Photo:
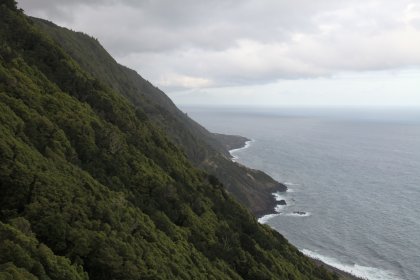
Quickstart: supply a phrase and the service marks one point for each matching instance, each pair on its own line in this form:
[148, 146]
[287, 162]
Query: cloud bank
[190, 44]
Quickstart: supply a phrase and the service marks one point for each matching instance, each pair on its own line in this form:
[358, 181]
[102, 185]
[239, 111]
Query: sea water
[353, 177]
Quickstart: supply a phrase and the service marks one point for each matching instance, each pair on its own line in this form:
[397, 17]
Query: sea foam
[264, 219]
[290, 184]
[364, 272]
[279, 208]
[278, 196]
[247, 145]
[305, 214]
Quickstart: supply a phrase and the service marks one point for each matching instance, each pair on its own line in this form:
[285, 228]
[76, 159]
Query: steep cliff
[251, 187]
[91, 186]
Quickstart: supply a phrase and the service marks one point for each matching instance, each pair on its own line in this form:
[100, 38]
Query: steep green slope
[90, 187]
[23, 257]
[251, 187]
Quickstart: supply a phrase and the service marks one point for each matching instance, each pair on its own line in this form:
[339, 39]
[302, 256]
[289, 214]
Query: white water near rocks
[353, 179]
[234, 151]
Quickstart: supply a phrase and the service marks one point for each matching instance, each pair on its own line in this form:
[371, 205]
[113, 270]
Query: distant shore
[231, 142]
[234, 143]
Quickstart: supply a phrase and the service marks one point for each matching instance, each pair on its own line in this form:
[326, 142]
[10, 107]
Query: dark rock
[282, 202]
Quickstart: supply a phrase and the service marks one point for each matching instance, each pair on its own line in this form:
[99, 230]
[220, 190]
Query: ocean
[353, 177]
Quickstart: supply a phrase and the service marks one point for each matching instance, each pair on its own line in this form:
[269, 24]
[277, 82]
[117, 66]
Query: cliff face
[206, 150]
[91, 186]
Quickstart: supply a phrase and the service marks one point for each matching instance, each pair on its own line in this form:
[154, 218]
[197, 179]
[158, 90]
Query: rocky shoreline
[231, 142]
[234, 142]
[341, 274]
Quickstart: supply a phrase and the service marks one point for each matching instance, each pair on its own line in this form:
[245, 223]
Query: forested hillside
[91, 188]
[252, 188]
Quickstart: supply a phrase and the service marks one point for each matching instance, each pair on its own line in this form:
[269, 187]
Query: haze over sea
[354, 172]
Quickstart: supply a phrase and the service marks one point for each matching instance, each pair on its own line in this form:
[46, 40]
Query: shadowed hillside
[252, 188]
[91, 186]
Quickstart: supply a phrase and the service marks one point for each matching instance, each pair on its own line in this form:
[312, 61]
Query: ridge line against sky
[287, 53]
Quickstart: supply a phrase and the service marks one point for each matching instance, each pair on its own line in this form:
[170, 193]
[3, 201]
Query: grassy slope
[91, 188]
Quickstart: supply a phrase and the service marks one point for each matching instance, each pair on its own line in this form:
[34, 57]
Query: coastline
[272, 203]
[230, 142]
[246, 145]
[265, 216]
[343, 275]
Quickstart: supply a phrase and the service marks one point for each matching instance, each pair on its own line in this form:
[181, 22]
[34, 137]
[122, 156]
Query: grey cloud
[164, 25]
[189, 43]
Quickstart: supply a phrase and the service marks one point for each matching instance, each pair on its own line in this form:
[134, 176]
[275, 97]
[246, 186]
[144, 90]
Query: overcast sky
[259, 52]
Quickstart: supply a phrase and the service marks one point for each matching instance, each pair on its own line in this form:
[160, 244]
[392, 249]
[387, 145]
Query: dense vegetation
[251, 187]
[90, 187]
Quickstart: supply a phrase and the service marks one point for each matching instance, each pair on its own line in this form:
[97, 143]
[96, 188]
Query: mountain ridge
[253, 188]
[91, 188]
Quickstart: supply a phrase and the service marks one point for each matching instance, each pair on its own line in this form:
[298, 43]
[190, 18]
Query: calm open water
[355, 173]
